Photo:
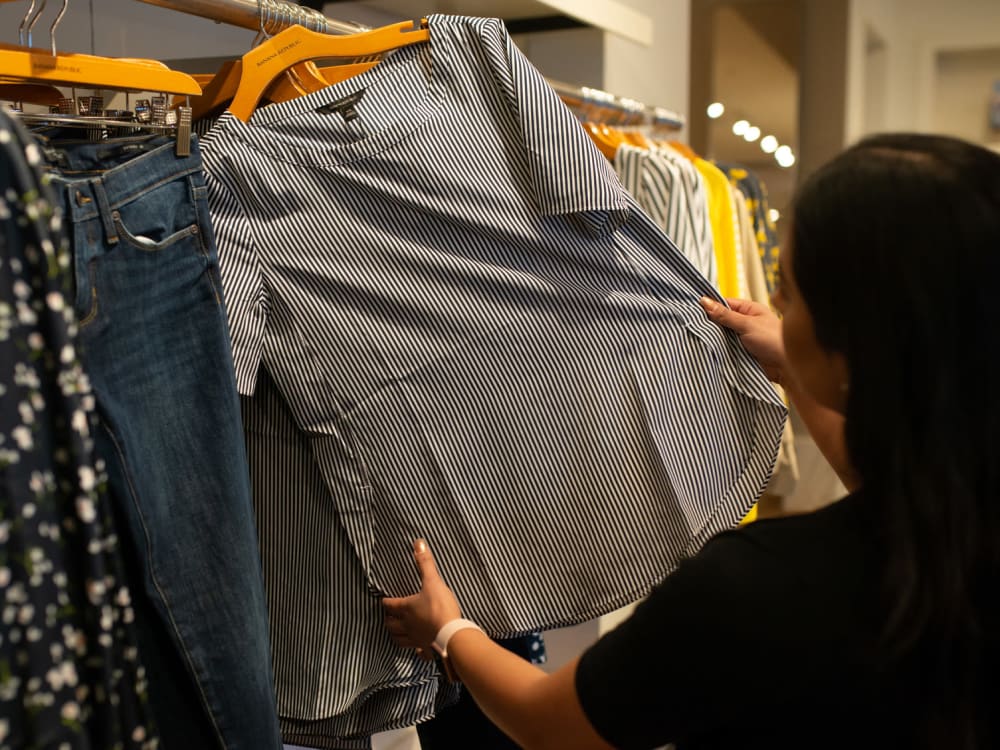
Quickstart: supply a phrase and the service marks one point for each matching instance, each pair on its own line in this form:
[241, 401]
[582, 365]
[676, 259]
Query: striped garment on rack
[482, 337]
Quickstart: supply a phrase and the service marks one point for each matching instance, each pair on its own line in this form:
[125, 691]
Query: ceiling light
[752, 134]
[785, 159]
[715, 110]
[782, 151]
[740, 127]
[773, 214]
[768, 144]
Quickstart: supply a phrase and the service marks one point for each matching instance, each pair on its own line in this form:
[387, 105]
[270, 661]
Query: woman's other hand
[759, 330]
[414, 621]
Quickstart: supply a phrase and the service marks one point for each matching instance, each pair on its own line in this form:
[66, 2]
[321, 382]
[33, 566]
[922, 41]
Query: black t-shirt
[765, 639]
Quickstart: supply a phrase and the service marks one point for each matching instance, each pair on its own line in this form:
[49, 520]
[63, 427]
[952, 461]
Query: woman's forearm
[537, 710]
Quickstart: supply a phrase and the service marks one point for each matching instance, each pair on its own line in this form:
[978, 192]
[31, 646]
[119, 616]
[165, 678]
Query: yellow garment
[722, 216]
[786, 468]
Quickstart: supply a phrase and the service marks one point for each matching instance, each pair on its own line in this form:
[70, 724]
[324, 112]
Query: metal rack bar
[279, 15]
[247, 14]
[616, 110]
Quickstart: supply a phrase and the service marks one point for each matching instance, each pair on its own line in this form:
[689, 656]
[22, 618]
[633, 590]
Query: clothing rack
[277, 15]
[588, 103]
[601, 106]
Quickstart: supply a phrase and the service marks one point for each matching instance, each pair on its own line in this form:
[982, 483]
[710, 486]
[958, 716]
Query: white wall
[917, 35]
[126, 28]
[656, 74]
[962, 93]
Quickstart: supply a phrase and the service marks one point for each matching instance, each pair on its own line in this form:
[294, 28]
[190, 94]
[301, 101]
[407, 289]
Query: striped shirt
[672, 192]
[484, 339]
[338, 675]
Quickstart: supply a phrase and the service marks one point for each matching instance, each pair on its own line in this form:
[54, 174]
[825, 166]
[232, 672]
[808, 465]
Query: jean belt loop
[105, 210]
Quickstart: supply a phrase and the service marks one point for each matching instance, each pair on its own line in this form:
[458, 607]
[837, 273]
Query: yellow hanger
[32, 65]
[288, 87]
[296, 44]
[635, 138]
[607, 139]
[303, 78]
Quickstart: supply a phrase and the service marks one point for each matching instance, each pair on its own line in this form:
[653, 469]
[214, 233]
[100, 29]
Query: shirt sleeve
[690, 658]
[243, 285]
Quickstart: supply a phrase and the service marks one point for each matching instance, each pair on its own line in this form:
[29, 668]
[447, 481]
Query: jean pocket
[160, 218]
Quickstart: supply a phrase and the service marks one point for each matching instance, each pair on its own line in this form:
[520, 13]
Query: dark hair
[896, 251]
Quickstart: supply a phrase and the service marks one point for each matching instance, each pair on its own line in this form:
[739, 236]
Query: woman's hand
[414, 621]
[759, 330]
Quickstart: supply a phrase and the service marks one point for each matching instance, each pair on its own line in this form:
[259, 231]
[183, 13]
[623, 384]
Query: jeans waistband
[97, 178]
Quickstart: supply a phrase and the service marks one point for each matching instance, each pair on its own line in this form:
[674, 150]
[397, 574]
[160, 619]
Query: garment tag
[346, 106]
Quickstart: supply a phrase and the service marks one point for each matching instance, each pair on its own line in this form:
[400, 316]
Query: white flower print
[32, 154]
[26, 412]
[70, 711]
[85, 510]
[25, 614]
[95, 592]
[44, 631]
[37, 482]
[26, 315]
[87, 478]
[16, 594]
[79, 423]
[55, 301]
[22, 436]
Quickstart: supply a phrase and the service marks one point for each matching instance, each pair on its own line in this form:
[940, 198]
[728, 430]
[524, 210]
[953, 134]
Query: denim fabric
[156, 347]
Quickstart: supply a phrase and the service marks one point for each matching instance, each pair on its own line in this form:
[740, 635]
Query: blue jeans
[156, 347]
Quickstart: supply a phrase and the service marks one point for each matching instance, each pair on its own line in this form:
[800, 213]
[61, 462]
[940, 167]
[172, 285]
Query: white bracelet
[448, 630]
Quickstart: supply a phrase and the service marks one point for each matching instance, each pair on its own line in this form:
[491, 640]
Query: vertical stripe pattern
[483, 341]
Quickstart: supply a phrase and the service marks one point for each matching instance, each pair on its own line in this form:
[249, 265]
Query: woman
[871, 622]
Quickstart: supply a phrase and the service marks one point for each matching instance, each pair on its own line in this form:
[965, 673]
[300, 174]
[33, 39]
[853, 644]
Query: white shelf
[609, 15]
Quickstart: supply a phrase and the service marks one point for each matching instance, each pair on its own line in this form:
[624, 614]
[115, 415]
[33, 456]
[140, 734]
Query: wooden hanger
[32, 65]
[284, 89]
[637, 139]
[684, 149]
[607, 139]
[296, 44]
[301, 79]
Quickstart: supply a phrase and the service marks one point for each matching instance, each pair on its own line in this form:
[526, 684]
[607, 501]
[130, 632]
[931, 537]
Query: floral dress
[70, 674]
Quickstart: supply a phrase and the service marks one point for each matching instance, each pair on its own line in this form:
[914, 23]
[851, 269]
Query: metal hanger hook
[34, 19]
[56, 21]
[261, 32]
[24, 23]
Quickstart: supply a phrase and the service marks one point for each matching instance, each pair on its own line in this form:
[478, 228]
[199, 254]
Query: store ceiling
[755, 75]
